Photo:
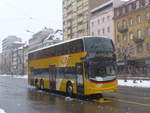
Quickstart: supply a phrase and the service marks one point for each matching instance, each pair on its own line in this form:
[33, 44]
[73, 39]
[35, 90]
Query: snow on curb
[22, 77]
[16, 76]
[132, 83]
[2, 111]
[5, 75]
[68, 99]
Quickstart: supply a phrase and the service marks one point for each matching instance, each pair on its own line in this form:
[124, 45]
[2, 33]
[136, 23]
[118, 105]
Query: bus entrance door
[52, 77]
[80, 79]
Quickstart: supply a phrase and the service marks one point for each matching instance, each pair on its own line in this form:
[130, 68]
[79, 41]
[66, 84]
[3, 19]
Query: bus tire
[69, 89]
[42, 84]
[36, 84]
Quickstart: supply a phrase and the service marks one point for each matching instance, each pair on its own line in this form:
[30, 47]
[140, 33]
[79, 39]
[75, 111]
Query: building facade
[101, 21]
[37, 39]
[20, 60]
[1, 63]
[75, 18]
[132, 37]
[7, 43]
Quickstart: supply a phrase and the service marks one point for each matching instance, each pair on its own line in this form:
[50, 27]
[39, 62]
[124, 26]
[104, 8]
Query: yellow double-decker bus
[82, 66]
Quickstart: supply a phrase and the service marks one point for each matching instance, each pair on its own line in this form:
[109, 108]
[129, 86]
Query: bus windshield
[101, 71]
[96, 45]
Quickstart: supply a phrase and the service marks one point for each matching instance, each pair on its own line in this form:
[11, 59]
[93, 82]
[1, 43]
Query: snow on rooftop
[101, 6]
[17, 42]
[20, 47]
[2, 111]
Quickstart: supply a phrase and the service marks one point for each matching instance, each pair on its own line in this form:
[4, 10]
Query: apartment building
[75, 18]
[79, 17]
[8, 43]
[132, 36]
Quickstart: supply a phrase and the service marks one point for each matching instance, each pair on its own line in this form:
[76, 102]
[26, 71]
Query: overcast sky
[17, 16]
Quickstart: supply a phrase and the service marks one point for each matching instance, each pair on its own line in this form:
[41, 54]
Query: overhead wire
[18, 10]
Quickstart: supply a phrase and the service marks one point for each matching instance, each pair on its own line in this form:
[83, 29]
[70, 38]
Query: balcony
[122, 29]
[138, 40]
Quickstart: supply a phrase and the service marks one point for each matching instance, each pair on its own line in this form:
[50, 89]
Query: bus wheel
[41, 84]
[69, 90]
[36, 84]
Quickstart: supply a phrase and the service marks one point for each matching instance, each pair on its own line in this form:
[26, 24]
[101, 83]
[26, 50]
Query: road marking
[129, 102]
[146, 98]
[103, 100]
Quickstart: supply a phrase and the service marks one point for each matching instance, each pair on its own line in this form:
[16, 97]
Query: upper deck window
[58, 50]
[98, 45]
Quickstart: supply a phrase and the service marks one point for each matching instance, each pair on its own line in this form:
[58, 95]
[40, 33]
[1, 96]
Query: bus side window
[68, 48]
[79, 68]
[74, 47]
[52, 52]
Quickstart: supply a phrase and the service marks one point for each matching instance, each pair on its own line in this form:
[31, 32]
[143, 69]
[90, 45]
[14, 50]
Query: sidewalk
[135, 83]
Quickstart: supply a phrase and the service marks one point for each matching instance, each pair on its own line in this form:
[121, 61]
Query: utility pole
[23, 60]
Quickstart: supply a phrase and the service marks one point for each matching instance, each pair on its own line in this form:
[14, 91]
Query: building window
[92, 33]
[138, 19]
[103, 31]
[126, 9]
[131, 35]
[98, 21]
[139, 34]
[80, 23]
[118, 25]
[130, 7]
[148, 47]
[98, 32]
[125, 36]
[120, 11]
[142, 3]
[117, 12]
[124, 23]
[92, 24]
[148, 31]
[78, 0]
[118, 38]
[130, 21]
[137, 4]
[134, 5]
[147, 2]
[103, 19]
[147, 16]
[108, 29]
[108, 18]
[123, 10]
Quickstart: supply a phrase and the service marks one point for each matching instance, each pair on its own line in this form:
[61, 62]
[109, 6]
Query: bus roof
[63, 43]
